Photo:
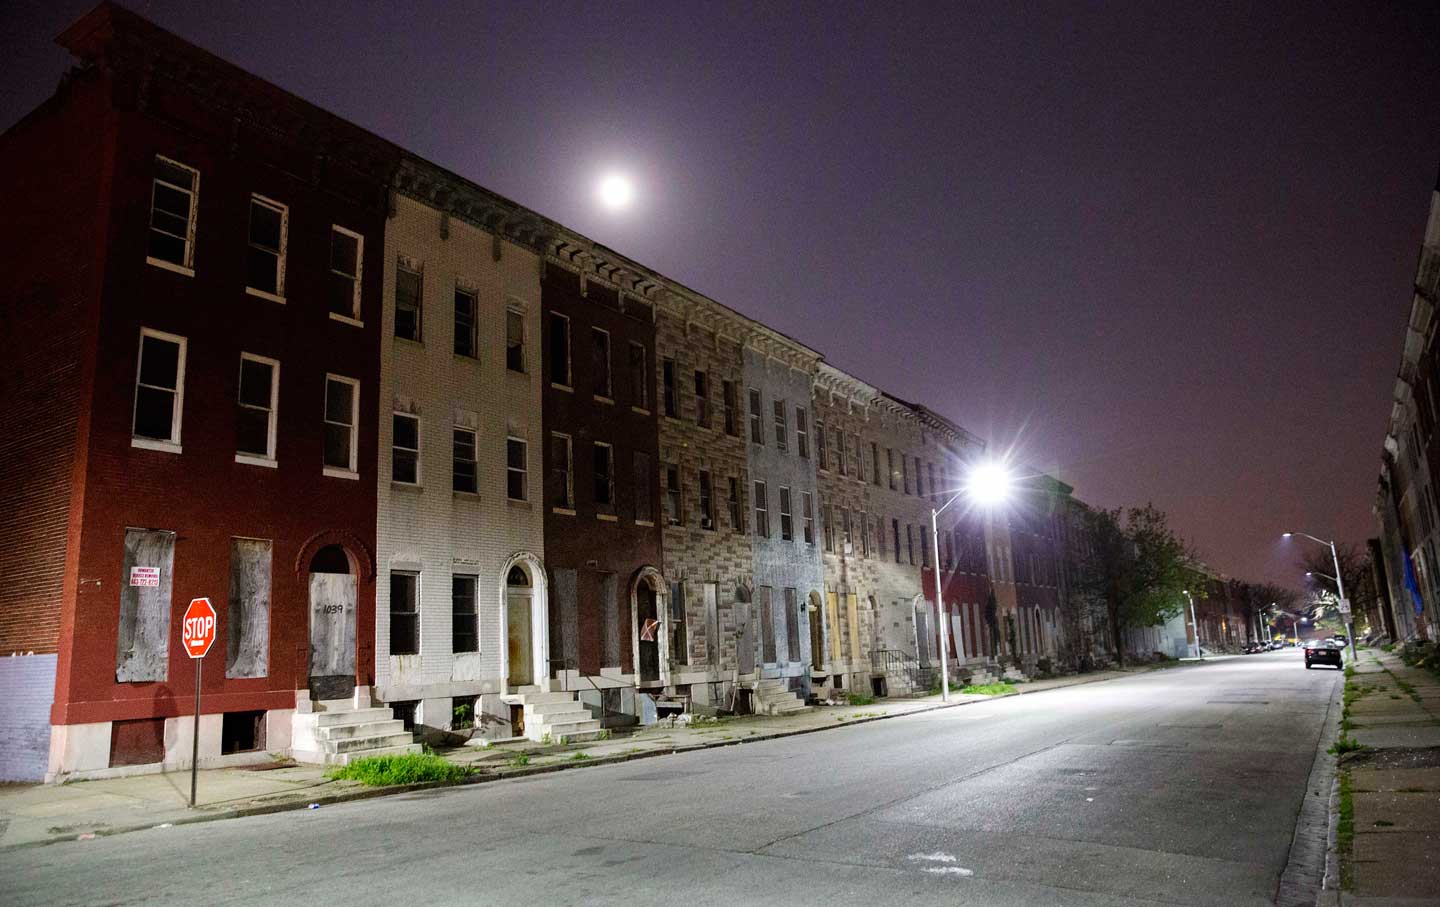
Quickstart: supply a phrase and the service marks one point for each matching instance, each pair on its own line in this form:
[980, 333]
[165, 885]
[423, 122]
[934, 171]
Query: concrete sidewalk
[1390, 841]
[39, 814]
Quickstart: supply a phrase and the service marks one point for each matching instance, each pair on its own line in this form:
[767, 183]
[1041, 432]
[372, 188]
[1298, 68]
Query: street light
[1339, 584]
[988, 486]
[1194, 625]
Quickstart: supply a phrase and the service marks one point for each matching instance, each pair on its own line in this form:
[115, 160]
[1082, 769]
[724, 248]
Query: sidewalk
[1389, 804]
[39, 814]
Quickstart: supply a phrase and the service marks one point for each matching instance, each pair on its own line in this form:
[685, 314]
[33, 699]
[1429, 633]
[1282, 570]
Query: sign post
[197, 632]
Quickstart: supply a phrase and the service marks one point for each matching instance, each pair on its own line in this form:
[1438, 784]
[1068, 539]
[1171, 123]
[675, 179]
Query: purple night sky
[1166, 252]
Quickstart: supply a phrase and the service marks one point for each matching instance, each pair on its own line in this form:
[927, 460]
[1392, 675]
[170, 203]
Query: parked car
[1324, 652]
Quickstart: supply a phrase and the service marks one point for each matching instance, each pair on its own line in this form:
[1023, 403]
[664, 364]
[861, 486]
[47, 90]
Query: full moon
[615, 191]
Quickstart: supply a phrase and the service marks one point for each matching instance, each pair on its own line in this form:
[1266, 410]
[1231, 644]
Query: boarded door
[817, 634]
[832, 605]
[332, 635]
[518, 638]
[143, 646]
[745, 623]
[767, 624]
[852, 611]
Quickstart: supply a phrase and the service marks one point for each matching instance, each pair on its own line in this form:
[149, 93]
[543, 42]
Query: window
[405, 449]
[787, 520]
[464, 620]
[600, 363]
[905, 472]
[924, 547]
[639, 377]
[847, 538]
[757, 430]
[643, 477]
[347, 249]
[404, 613]
[248, 636]
[807, 507]
[895, 530]
[910, 542]
[409, 288]
[737, 515]
[782, 430]
[890, 460]
[159, 388]
[559, 350]
[342, 410]
[792, 624]
[265, 257]
[827, 515]
[172, 215]
[143, 643]
[730, 404]
[604, 457]
[934, 489]
[259, 396]
[702, 399]
[467, 341]
[464, 477]
[514, 340]
[864, 528]
[673, 501]
[667, 377]
[516, 469]
[822, 455]
[842, 463]
[919, 480]
[762, 514]
[562, 471]
[875, 463]
[802, 433]
[707, 507]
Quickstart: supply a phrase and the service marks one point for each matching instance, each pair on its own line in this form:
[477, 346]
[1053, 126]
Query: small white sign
[145, 576]
[1344, 606]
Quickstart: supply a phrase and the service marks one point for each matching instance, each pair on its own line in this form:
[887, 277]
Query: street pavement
[1180, 786]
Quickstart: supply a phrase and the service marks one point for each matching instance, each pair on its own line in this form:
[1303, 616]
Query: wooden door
[518, 638]
[332, 635]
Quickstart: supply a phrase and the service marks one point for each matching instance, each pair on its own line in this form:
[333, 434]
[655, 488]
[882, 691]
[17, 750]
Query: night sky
[1165, 252]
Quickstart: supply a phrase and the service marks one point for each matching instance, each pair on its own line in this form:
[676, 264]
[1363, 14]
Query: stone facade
[448, 528]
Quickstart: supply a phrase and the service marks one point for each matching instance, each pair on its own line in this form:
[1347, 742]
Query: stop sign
[198, 628]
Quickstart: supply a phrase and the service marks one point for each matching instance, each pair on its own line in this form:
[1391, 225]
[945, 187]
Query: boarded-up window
[143, 647]
[767, 625]
[247, 652]
[792, 625]
[679, 643]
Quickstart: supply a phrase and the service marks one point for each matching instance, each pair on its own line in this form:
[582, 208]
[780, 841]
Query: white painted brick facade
[27, 687]
[431, 529]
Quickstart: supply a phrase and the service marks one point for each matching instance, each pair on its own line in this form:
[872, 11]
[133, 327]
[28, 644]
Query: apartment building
[201, 421]
[461, 611]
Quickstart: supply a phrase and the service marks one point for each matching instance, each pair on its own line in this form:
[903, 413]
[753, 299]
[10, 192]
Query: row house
[1036, 518]
[461, 611]
[201, 418]
[1405, 503]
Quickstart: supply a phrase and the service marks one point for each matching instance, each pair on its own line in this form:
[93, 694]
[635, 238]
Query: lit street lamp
[988, 486]
[1339, 585]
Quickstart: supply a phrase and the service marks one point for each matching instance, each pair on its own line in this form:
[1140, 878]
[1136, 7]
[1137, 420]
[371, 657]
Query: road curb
[486, 776]
[1311, 871]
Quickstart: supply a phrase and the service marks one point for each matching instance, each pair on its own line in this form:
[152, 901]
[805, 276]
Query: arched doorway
[816, 615]
[332, 624]
[524, 618]
[744, 631]
[647, 600]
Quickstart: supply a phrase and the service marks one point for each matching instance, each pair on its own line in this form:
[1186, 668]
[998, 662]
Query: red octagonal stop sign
[198, 628]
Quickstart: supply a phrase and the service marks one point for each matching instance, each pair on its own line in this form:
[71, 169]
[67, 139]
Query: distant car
[1324, 652]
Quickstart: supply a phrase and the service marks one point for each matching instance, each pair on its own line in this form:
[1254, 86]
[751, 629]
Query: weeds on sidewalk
[519, 759]
[989, 689]
[859, 699]
[409, 768]
[1345, 832]
[1346, 744]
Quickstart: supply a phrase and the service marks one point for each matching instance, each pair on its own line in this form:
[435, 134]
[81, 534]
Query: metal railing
[894, 662]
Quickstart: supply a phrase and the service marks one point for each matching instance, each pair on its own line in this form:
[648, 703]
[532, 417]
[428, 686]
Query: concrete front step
[350, 756]
[538, 698]
[352, 716]
[545, 711]
[368, 729]
[353, 744]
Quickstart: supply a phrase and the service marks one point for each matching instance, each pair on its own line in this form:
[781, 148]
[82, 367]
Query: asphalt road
[1174, 787]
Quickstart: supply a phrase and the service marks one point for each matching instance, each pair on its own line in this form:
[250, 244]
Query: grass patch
[989, 689]
[1345, 833]
[1346, 745]
[410, 768]
[579, 757]
[519, 759]
[859, 699]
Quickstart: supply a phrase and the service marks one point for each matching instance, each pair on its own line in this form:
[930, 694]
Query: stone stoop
[338, 733]
[772, 697]
[560, 715]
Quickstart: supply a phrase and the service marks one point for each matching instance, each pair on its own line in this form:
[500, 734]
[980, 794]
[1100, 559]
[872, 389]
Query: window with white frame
[258, 406]
[707, 505]
[762, 511]
[562, 469]
[807, 506]
[405, 449]
[516, 469]
[404, 612]
[757, 419]
[604, 458]
[342, 416]
[174, 194]
[782, 430]
[159, 389]
[409, 299]
[737, 513]
[467, 340]
[265, 257]
[464, 475]
[515, 340]
[802, 432]
[347, 249]
[822, 453]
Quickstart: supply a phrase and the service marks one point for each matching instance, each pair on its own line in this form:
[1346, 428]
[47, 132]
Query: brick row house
[441, 464]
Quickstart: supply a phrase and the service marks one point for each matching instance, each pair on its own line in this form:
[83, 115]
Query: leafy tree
[1354, 570]
[1137, 565]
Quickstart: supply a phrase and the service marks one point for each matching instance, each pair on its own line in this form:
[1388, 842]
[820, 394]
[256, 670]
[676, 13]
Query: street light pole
[1195, 625]
[1339, 586]
[940, 598]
